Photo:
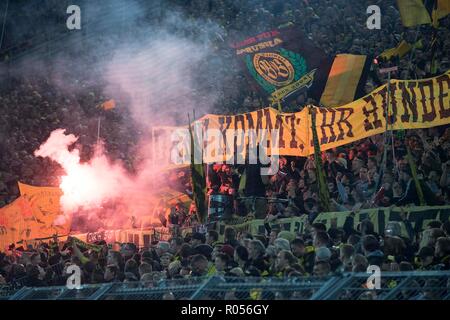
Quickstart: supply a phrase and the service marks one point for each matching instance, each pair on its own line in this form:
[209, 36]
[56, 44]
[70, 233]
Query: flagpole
[153, 148]
[434, 39]
[391, 132]
[324, 195]
[98, 130]
[411, 54]
[386, 115]
[386, 137]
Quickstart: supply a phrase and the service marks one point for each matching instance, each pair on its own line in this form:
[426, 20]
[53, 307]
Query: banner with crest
[284, 64]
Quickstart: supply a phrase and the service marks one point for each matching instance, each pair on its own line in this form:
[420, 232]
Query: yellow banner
[413, 104]
[35, 214]
[47, 217]
[380, 217]
[13, 226]
[294, 225]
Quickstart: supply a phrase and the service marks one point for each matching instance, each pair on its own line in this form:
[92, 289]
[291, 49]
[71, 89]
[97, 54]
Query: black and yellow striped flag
[346, 79]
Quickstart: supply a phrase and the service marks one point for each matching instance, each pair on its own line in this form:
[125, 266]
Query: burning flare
[88, 184]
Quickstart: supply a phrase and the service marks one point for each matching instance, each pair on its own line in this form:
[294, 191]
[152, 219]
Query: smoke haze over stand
[156, 78]
[88, 184]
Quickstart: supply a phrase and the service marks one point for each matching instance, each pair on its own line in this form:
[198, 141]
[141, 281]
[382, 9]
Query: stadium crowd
[32, 107]
[33, 104]
[318, 252]
[354, 177]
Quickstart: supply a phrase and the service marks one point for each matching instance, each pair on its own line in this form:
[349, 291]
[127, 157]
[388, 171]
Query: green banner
[380, 217]
[256, 226]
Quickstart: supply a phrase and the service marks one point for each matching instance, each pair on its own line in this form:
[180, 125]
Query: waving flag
[108, 105]
[284, 64]
[417, 12]
[413, 12]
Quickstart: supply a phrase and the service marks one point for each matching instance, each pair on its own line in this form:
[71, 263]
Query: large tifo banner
[35, 214]
[380, 217]
[413, 104]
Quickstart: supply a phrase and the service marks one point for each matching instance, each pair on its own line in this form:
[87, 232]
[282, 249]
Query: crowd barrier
[426, 285]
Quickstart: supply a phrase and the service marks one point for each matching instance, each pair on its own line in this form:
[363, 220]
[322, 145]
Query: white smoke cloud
[87, 184]
[159, 76]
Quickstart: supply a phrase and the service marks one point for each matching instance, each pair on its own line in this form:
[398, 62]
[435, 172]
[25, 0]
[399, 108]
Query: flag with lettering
[284, 64]
[414, 104]
[13, 224]
[44, 214]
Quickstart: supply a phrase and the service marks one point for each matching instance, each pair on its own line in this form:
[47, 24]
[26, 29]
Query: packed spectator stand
[31, 107]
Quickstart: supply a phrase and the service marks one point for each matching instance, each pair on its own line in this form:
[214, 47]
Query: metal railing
[420, 285]
[432, 285]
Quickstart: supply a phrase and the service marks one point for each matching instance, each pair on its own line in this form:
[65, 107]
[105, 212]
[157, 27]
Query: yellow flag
[108, 105]
[343, 80]
[47, 217]
[13, 226]
[413, 12]
[441, 10]
[31, 190]
[400, 50]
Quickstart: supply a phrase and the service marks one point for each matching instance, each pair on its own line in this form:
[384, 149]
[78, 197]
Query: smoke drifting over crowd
[158, 79]
[85, 184]
[154, 77]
